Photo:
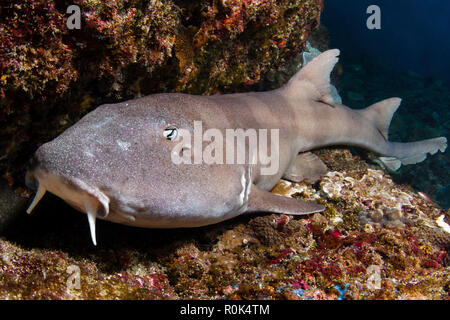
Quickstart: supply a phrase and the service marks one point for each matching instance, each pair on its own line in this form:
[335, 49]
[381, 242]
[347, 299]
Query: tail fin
[381, 113]
[413, 152]
[314, 78]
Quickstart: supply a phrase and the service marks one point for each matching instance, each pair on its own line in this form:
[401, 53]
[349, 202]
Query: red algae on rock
[234, 43]
[259, 257]
[34, 57]
[130, 32]
[341, 253]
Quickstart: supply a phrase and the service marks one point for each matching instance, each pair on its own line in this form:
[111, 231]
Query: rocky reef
[375, 240]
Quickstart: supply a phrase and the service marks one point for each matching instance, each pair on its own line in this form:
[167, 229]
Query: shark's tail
[314, 80]
[396, 154]
[413, 152]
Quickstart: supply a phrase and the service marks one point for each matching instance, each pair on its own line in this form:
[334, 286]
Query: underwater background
[382, 235]
[409, 57]
[414, 34]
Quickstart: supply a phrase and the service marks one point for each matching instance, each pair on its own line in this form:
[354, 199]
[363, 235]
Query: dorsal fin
[314, 78]
[381, 113]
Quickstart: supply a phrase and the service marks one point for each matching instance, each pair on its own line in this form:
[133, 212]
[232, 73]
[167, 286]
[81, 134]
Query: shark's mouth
[75, 192]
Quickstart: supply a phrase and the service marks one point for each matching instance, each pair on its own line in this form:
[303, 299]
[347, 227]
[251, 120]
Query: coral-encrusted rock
[373, 190]
[366, 254]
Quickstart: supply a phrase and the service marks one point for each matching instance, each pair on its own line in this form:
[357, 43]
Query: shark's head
[119, 163]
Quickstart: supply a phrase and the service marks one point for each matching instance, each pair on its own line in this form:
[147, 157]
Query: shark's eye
[170, 133]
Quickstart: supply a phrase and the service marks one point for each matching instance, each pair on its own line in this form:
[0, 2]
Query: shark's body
[116, 163]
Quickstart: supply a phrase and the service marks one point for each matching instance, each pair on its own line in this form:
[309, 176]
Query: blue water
[409, 57]
[414, 35]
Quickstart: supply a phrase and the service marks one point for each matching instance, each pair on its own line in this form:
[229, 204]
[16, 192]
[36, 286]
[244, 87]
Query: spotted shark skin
[115, 163]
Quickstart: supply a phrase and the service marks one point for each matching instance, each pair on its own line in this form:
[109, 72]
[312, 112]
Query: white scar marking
[249, 181]
[249, 184]
[123, 145]
[244, 184]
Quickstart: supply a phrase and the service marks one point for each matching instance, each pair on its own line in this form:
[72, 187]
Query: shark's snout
[75, 192]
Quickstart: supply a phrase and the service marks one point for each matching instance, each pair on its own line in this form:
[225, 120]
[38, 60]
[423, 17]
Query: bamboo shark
[116, 162]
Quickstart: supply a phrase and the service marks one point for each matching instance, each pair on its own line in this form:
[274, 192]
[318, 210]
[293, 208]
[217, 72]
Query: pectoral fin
[306, 167]
[264, 201]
